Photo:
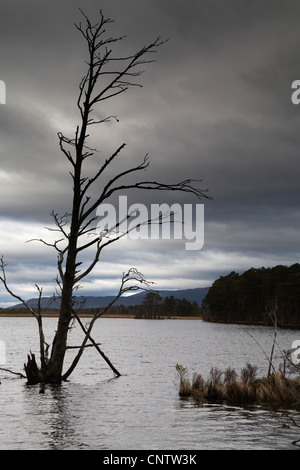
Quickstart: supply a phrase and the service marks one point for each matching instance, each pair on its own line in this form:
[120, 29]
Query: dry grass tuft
[225, 386]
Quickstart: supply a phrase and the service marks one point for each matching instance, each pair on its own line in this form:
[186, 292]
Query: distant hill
[192, 295]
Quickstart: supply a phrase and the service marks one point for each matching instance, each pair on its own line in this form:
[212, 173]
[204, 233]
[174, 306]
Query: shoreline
[89, 315]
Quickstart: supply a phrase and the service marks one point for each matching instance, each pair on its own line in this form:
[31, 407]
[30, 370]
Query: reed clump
[244, 388]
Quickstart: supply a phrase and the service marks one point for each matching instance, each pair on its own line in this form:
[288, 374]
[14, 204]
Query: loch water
[140, 410]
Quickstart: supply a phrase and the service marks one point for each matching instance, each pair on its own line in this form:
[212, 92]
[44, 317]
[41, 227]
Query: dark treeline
[154, 306]
[249, 297]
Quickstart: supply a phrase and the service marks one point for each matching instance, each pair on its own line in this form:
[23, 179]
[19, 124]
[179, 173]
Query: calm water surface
[141, 409]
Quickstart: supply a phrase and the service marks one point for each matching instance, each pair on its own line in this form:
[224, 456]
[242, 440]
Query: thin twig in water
[263, 351]
[12, 372]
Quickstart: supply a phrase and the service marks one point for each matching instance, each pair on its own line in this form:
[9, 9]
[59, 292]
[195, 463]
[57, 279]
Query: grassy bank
[227, 387]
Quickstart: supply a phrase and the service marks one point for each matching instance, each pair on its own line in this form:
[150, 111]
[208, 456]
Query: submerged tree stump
[33, 373]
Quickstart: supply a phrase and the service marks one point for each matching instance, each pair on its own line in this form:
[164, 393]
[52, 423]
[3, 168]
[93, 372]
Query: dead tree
[107, 77]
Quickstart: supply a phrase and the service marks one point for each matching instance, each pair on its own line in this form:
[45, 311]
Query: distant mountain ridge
[192, 295]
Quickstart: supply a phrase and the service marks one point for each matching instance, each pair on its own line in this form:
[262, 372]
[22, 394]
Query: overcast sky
[216, 105]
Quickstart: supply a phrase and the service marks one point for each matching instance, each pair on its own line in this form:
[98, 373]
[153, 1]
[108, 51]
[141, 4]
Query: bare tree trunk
[55, 365]
[33, 373]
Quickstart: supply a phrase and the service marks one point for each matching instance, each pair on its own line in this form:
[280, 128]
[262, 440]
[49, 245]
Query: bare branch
[118, 83]
[37, 315]
[96, 176]
[12, 372]
[66, 152]
[183, 186]
[85, 346]
[4, 282]
[93, 263]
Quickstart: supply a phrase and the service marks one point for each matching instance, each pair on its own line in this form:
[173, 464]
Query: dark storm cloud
[216, 105]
